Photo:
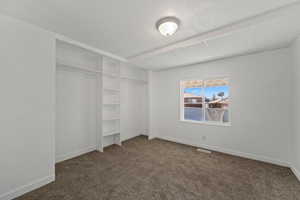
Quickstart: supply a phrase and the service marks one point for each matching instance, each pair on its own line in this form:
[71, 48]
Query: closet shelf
[109, 133]
[111, 118]
[111, 75]
[111, 89]
[111, 103]
[134, 79]
[75, 66]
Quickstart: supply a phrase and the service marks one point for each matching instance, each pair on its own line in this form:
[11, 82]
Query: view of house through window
[205, 100]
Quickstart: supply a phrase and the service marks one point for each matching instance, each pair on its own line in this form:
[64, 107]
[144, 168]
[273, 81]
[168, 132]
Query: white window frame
[204, 122]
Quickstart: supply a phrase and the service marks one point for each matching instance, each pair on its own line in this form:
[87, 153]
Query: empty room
[150, 100]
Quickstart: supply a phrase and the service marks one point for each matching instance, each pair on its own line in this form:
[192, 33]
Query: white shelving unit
[111, 101]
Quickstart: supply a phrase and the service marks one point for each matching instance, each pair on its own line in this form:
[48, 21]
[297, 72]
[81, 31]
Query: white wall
[260, 117]
[27, 80]
[134, 102]
[133, 109]
[75, 113]
[295, 157]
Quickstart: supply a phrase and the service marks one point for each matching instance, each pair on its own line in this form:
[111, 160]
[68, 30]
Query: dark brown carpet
[159, 170]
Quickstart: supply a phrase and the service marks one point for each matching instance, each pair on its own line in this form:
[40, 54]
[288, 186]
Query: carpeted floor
[161, 170]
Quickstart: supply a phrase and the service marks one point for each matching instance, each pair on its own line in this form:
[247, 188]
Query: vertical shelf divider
[110, 107]
[99, 93]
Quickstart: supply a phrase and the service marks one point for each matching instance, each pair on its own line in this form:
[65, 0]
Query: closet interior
[100, 101]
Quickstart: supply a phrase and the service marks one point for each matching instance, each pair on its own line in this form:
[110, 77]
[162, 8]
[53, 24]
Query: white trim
[151, 137]
[27, 188]
[203, 150]
[73, 154]
[206, 122]
[87, 47]
[229, 151]
[296, 172]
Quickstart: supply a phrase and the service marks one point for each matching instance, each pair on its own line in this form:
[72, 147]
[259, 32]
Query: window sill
[206, 123]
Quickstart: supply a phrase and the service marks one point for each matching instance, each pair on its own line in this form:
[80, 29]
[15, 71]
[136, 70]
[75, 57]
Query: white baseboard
[229, 151]
[151, 137]
[296, 172]
[27, 188]
[74, 154]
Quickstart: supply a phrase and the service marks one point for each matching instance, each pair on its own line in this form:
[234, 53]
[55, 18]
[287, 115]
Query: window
[205, 101]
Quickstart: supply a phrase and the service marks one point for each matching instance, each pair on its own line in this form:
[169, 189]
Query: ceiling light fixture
[167, 26]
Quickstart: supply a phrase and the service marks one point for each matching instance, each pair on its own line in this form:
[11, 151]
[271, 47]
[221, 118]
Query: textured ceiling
[276, 32]
[127, 28]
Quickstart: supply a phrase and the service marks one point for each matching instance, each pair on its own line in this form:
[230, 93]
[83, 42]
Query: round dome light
[167, 26]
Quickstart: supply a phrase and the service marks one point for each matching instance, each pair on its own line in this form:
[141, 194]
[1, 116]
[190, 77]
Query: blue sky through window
[195, 91]
[209, 91]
